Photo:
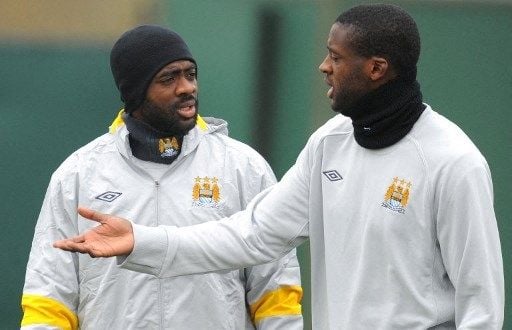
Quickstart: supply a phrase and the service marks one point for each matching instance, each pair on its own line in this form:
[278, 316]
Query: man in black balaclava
[143, 61]
[162, 164]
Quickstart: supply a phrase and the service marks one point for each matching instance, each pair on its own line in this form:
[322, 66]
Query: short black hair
[384, 30]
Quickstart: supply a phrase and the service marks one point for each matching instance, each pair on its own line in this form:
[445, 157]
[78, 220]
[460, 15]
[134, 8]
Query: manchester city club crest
[168, 147]
[397, 195]
[206, 192]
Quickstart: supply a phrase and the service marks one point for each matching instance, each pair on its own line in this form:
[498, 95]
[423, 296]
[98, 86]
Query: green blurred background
[258, 64]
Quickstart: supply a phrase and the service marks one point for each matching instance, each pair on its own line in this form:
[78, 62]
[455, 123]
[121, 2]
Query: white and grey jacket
[403, 237]
[213, 177]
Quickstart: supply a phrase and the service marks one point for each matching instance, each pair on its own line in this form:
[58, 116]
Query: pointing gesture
[113, 237]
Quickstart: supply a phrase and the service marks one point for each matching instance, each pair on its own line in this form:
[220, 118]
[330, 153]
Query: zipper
[157, 192]
[160, 289]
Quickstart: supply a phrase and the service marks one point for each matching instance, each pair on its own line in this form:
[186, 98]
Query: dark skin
[350, 76]
[171, 99]
[113, 236]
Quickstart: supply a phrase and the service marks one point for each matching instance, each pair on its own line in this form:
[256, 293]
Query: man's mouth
[187, 109]
[330, 92]
[331, 89]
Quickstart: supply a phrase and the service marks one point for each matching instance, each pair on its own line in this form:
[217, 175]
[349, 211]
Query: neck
[385, 115]
[151, 145]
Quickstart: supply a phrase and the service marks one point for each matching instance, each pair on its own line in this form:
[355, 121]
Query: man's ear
[378, 68]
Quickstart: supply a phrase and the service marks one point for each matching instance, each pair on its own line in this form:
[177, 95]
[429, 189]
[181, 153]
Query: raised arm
[276, 221]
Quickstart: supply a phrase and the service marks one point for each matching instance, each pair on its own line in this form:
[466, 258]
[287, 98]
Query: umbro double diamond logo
[332, 175]
[108, 196]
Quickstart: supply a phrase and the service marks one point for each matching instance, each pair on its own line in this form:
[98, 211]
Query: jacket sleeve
[273, 224]
[273, 290]
[470, 246]
[50, 293]
[274, 294]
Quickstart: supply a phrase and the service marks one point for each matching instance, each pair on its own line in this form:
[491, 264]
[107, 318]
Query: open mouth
[187, 109]
[330, 91]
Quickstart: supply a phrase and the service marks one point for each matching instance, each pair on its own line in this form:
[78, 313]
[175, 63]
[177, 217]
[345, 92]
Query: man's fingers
[77, 239]
[108, 239]
[81, 247]
[71, 245]
[92, 214]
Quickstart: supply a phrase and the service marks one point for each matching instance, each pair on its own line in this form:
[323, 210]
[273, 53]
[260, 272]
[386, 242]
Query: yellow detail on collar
[203, 126]
[118, 122]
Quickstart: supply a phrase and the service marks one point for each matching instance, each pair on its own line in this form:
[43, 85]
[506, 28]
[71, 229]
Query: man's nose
[186, 86]
[324, 67]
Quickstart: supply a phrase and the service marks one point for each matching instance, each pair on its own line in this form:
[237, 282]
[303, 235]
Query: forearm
[270, 227]
[169, 251]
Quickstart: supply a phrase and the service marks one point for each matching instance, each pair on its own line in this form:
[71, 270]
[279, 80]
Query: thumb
[92, 214]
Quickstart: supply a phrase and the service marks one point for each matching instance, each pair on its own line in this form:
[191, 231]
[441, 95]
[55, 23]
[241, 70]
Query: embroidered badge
[168, 147]
[206, 192]
[397, 195]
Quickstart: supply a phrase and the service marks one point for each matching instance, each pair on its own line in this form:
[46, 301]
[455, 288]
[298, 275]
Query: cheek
[339, 73]
[165, 100]
[339, 81]
[161, 95]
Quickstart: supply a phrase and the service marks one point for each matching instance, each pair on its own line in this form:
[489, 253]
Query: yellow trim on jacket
[284, 301]
[118, 121]
[44, 310]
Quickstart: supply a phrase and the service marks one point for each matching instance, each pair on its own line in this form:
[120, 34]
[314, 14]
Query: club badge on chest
[206, 192]
[397, 195]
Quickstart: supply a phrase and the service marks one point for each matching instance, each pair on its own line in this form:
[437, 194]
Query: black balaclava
[135, 59]
[138, 55]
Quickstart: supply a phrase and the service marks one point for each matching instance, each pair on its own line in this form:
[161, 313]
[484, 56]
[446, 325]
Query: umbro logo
[332, 175]
[108, 196]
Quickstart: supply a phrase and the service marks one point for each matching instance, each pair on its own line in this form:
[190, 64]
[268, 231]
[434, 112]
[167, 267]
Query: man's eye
[168, 79]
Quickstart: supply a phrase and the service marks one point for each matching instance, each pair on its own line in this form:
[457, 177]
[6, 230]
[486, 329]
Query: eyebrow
[332, 50]
[176, 70]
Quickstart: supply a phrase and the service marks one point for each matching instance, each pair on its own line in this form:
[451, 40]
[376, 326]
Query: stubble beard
[166, 119]
[347, 98]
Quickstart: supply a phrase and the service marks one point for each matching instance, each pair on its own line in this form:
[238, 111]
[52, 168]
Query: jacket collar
[204, 126]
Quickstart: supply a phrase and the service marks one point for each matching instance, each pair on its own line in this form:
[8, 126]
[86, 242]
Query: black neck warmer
[384, 116]
[151, 145]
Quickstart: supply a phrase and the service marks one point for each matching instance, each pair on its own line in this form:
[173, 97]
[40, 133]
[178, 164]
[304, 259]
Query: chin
[189, 121]
[336, 107]
[188, 124]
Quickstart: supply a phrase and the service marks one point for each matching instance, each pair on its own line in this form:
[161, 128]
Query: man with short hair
[162, 164]
[396, 201]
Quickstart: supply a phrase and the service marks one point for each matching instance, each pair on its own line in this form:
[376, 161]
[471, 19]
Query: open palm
[113, 237]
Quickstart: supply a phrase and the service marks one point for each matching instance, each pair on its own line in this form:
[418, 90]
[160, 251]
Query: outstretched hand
[113, 237]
